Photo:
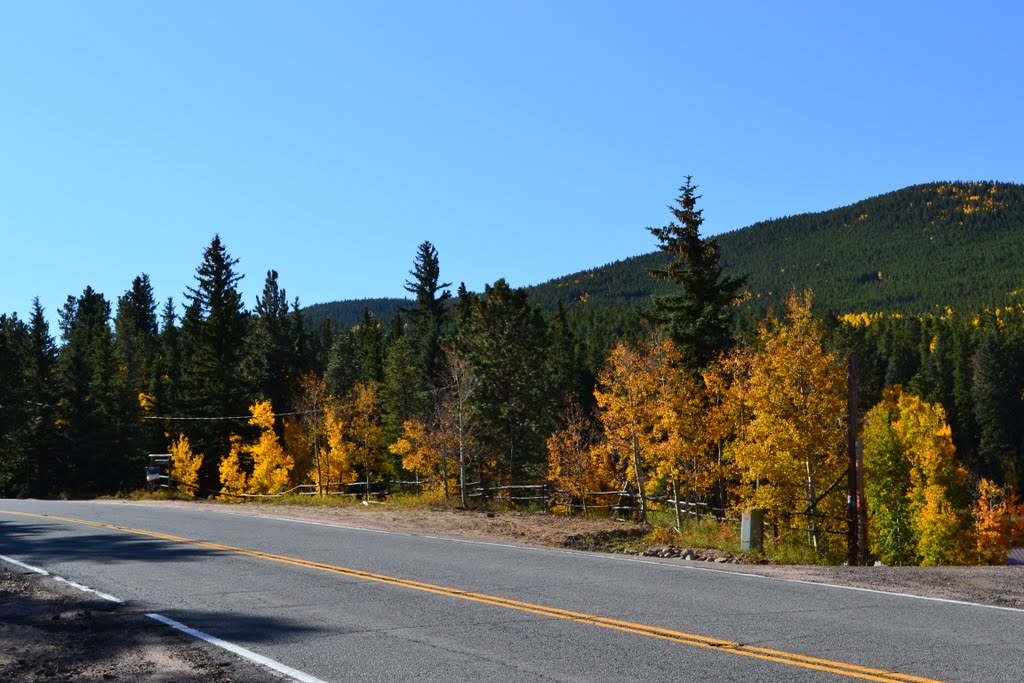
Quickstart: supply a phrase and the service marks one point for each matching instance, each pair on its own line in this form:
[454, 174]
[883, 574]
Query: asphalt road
[340, 603]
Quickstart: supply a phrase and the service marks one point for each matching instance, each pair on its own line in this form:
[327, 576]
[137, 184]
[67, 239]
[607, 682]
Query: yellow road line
[694, 640]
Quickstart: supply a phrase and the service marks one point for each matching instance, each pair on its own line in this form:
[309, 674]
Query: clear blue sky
[526, 140]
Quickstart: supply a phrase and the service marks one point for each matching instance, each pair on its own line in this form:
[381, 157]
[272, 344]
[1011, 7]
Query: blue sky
[526, 140]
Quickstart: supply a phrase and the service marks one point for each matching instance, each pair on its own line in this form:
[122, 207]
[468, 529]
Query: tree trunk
[639, 479]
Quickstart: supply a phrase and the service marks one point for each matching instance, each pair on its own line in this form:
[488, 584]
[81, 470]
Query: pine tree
[17, 467]
[399, 395]
[429, 318]
[272, 360]
[88, 429]
[999, 409]
[370, 348]
[563, 366]
[698, 318]
[343, 367]
[213, 335]
[136, 346]
[505, 343]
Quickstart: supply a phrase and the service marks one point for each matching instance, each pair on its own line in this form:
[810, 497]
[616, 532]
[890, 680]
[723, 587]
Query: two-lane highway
[337, 603]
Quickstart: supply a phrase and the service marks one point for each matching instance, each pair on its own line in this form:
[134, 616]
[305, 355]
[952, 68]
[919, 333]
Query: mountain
[349, 312]
[912, 251]
[915, 250]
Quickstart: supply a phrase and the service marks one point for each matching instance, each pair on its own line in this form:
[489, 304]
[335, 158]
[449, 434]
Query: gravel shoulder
[51, 632]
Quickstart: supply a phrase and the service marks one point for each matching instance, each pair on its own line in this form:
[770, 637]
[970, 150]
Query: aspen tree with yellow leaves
[234, 479]
[687, 463]
[185, 464]
[335, 464]
[432, 451]
[632, 396]
[789, 448]
[261, 467]
[362, 434]
[271, 466]
[576, 464]
[310, 430]
[913, 484]
[998, 522]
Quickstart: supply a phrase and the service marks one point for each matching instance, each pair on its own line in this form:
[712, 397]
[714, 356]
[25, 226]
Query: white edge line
[29, 567]
[608, 556]
[86, 589]
[238, 650]
[904, 595]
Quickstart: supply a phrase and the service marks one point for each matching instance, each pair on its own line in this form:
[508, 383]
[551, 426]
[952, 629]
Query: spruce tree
[213, 334]
[428, 320]
[272, 362]
[698, 318]
[369, 345]
[343, 368]
[89, 435]
[505, 342]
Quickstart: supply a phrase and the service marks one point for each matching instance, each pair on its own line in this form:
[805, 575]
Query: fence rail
[627, 502]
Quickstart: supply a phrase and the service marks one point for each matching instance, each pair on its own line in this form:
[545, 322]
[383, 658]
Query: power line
[230, 417]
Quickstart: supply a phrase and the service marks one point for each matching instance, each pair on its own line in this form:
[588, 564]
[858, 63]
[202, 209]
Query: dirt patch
[49, 632]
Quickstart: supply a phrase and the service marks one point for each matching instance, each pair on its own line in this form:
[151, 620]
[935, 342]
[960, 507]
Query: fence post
[852, 513]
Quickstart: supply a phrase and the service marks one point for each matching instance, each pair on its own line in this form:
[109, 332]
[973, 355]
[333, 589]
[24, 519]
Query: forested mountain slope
[916, 250]
[347, 313]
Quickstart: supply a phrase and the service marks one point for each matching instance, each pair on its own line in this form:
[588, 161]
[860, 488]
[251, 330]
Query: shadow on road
[44, 543]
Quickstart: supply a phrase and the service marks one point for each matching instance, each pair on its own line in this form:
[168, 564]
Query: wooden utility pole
[853, 553]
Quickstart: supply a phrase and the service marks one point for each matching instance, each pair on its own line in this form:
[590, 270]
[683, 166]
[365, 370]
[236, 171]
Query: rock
[721, 560]
[687, 554]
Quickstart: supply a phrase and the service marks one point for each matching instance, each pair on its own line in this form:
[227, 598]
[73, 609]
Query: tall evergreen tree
[505, 342]
[428, 320]
[89, 434]
[999, 409]
[699, 317]
[137, 346]
[565, 376]
[370, 348]
[343, 367]
[213, 335]
[399, 396]
[135, 327]
[17, 467]
[272, 360]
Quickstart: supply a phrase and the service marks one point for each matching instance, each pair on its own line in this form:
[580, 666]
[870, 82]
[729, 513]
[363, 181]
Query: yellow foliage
[632, 395]
[262, 415]
[576, 465]
[233, 479]
[355, 437]
[185, 465]
[261, 467]
[431, 451]
[271, 466]
[147, 402]
[933, 482]
[335, 460]
[790, 441]
[998, 522]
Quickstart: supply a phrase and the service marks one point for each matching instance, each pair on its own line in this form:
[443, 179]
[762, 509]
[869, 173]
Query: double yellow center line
[680, 637]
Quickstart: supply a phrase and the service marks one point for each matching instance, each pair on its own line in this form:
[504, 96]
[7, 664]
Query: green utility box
[752, 530]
